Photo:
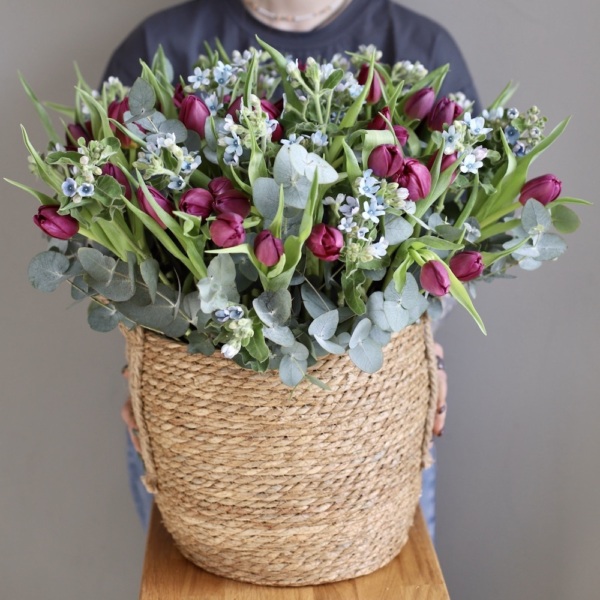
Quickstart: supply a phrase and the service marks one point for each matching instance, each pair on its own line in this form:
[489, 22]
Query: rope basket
[264, 484]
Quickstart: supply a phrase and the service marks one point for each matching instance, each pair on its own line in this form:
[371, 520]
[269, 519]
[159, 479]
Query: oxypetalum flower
[367, 185]
[372, 211]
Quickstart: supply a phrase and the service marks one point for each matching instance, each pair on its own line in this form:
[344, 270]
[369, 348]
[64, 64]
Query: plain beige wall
[519, 495]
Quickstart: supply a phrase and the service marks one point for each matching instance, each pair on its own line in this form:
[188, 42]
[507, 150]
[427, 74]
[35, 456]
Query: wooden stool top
[414, 574]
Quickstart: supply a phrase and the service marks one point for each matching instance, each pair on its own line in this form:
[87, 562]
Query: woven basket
[261, 484]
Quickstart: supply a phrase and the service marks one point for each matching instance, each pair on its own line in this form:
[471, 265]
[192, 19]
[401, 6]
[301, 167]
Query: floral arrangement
[277, 211]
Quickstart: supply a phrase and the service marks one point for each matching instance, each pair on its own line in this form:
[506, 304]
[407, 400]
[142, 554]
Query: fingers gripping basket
[260, 483]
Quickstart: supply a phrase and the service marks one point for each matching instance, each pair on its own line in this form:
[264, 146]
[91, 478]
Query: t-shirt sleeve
[445, 50]
[125, 60]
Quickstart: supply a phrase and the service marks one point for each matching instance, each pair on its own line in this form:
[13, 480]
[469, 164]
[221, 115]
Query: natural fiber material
[262, 483]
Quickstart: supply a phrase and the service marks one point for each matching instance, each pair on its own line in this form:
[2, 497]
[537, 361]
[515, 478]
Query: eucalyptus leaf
[292, 371]
[315, 303]
[265, 196]
[98, 266]
[381, 337]
[273, 308]
[175, 127]
[535, 217]
[325, 325]
[564, 219]
[142, 98]
[282, 336]
[367, 355]
[361, 332]
[331, 345]
[298, 351]
[47, 270]
[375, 310]
[149, 270]
[102, 318]
[200, 343]
[397, 229]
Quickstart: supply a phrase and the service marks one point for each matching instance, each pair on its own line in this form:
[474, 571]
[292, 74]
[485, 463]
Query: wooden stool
[414, 574]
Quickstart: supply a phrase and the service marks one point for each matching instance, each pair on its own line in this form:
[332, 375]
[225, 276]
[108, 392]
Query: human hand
[129, 418]
[440, 415]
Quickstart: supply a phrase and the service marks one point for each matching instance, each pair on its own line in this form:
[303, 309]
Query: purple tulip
[268, 248]
[386, 160]
[544, 189]
[374, 94]
[145, 205]
[419, 104]
[62, 227]
[447, 161]
[445, 112]
[116, 110]
[218, 185]
[197, 202]
[232, 201]
[116, 173]
[415, 177]
[227, 230]
[379, 123]
[76, 131]
[467, 265]
[178, 96]
[401, 134]
[193, 114]
[325, 242]
[435, 278]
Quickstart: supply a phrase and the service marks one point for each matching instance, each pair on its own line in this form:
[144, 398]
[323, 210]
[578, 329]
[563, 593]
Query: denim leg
[428, 495]
[142, 499]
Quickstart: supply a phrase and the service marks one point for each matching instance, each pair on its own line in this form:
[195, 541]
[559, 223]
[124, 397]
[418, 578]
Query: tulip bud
[116, 110]
[197, 202]
[419, 104]
[401, 134]
[445, 112]
[434, 278]
[227, 230]
[415, 177]
[467, 265]
[62, 227]
[325, 242]
[268, 248]
[544, 189]
[232, 201]
[447, 161]
[379, 123]
[76, 131]
[374, 94]
[386, 160]
[178, 95]
[218, 185]
[193, 114]
[273, 112]
[114, 171]
[145, 205]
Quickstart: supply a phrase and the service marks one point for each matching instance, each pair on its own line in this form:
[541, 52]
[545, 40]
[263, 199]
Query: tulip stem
[507, 210]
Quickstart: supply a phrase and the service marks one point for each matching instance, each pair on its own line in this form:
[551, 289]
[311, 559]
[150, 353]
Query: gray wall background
[519, 494]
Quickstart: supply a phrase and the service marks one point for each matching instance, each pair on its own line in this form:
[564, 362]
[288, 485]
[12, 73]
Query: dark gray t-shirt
[401, 34]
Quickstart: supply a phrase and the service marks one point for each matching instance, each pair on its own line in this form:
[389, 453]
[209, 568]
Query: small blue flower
[379, 249]
[350, 208]
[222, 73]
[235, 312]
[450, 140]
[85, 190]
[367, 185]
[512, 134]
[293, 139]
[69, 187]
[319, 139]
[222, 316]
[372, 211]
[476, 125]
[177, 183]
[471, 164]
[346, 225]
[362, 233]
[512, 113]
[199, 78]
[519, 149]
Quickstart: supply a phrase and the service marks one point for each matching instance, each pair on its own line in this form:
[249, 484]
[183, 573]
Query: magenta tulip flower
[445, 112]
[232, 201]
[267, 248]
[193, 114]
[435, 278]
[375, 93]
[197, 202]
[419, 104]
[467, 265]
[227, 230]
[325, 242]
[415, 177]
[379, 123]
[62, 227]
[116, 173]
[218, 185]
[386, 160]
[145, 205]
[544, 189]
[401, 134]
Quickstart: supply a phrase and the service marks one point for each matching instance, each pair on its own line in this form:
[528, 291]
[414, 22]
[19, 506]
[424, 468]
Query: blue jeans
[143, 500]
